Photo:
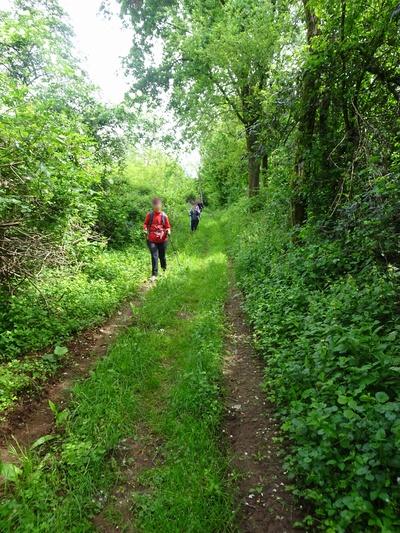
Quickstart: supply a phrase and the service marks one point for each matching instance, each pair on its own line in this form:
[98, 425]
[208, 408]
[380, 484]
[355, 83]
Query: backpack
[163, 217]
[194, 214]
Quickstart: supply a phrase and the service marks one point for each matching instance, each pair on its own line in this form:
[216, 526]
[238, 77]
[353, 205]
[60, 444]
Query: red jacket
[157, 231]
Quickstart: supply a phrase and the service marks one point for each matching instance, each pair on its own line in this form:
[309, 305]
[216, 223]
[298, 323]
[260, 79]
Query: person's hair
[156, 201]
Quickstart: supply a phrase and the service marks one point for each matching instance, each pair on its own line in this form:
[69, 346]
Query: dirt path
[32, 418]
[267, 506]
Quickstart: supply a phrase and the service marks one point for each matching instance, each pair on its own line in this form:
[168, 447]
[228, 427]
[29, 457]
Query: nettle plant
[330, 339]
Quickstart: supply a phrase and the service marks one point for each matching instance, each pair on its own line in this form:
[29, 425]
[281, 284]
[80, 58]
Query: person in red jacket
[157, 228]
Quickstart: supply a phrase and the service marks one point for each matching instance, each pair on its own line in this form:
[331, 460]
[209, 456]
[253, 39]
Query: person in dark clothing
[194, 214]
[157, 228]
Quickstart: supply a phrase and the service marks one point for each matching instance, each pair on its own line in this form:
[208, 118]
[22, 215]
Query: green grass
[68, 302]
[164, 375]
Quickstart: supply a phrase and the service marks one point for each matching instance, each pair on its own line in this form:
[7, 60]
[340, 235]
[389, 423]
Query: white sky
[103, 42]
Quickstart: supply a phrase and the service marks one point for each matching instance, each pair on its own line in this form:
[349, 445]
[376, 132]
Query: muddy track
[251, 428]
[265, 506]
[32, 418]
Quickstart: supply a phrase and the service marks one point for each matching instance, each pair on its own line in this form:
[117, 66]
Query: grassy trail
[141, 442]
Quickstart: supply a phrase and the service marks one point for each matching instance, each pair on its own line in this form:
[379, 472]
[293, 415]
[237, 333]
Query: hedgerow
[327, 323]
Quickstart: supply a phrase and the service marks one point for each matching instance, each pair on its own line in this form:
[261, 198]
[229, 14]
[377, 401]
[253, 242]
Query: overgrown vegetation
[295, 104]
[308, 94]
[74, 192]
[161, 379]
[327, 323]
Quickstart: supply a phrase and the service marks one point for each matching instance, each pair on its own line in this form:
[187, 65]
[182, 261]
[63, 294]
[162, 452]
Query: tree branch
[228, 100]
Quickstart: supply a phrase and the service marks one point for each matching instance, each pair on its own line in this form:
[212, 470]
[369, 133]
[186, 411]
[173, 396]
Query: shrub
[327, 322]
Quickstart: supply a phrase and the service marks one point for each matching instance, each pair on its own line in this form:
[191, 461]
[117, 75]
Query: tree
[215, 62]
[349, 103]
[223, 171]
[56, 140]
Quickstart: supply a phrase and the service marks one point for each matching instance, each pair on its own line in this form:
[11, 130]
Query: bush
[121, 211]
[73, 300]
[327, 321]
[124, 200]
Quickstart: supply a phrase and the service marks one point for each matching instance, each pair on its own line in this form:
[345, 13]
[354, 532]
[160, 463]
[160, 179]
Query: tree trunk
[309, 105]
[264, 170]
[298, 201]
[201, 188]
[254, 164]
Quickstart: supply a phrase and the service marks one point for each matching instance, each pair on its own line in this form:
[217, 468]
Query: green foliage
[46, 163]
[66, 192]
[348, 100]
[217, 62]
[60, 416]
[73, 300]
[224, 166]
[58, 144]
[28, 375]
[155, 172]
[326, 320]
[322, 119]
[368, 223]
[124, 198]
[121, 211]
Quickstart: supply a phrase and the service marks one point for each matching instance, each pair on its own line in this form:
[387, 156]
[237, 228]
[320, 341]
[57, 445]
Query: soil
[32, 418]
[252, 432]
[133, 458]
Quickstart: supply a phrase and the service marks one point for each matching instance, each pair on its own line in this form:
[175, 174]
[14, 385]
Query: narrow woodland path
[267, 507]
[148, 442]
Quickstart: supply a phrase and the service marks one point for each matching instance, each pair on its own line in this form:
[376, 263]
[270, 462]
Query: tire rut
[252, 431]
[32, 418]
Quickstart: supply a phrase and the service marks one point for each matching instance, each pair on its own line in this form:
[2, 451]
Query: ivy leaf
[380, 434]
[50, 358]
[348, 413]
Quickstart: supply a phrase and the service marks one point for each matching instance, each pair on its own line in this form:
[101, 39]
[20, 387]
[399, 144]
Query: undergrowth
[68, 302]
[326, 319]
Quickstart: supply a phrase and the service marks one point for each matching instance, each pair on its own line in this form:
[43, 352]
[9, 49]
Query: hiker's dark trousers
[194, 223]
[157, 250]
